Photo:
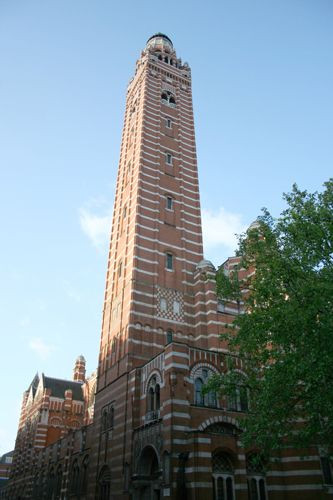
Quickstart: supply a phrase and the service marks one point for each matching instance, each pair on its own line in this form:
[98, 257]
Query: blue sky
[262, 88]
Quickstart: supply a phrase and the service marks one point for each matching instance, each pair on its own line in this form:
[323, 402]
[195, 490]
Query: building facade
[51, 410]
[158, 437]
[154, 434]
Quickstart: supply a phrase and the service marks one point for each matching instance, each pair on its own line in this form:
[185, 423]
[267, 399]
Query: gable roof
[59, 386]
[5, 455]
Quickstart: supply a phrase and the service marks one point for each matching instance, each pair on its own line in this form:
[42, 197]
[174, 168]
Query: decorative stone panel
[168, 310]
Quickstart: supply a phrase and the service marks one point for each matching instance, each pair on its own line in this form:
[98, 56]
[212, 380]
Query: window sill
[212, 407]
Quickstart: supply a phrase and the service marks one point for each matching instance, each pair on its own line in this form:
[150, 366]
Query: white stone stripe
[295, 487]
[145, 272]
[180, 259]
[178, 354]
[179, 414]
[168, 245]
[174, 322]
[291, 473]
[179, 193]
[181, 402]
[179, 179]
[307, 458]
[142, 342]
[180, 202]
[175, 365]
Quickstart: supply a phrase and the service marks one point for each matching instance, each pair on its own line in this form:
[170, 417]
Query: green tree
[285, 336]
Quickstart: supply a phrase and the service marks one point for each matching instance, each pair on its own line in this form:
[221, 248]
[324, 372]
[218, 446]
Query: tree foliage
[285, 335]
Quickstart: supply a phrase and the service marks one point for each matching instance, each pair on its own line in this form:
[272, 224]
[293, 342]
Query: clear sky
[262, 88]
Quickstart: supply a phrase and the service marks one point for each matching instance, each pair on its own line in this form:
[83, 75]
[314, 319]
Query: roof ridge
[64, 380]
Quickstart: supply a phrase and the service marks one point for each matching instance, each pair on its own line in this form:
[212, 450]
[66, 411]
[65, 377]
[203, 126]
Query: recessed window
[125, 212]
[120, 268]
[168, 98]
[169, 261]
[169, 203]
[168, 158]
[176, 307]
[169, 336]
[168, 123]
[163, 304]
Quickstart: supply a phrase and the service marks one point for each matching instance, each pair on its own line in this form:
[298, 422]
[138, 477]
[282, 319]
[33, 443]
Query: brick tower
[160, 298]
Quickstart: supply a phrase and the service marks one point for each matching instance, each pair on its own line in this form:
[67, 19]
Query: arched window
[199, 398]
[238, 401]
[200, 378]
[157, 397]
[256, 481]
[223, 476]
[168, 98]
[104, 483]
[153, 399]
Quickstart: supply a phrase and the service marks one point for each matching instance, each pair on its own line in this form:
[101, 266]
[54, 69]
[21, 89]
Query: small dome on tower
[206, 263]
[80, 359]
[159, 41]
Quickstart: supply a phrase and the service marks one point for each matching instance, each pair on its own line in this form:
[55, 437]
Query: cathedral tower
[156, 239]
[160, 298]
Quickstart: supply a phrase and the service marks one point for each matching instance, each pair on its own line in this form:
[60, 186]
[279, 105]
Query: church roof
[59, 386]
